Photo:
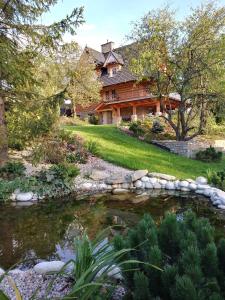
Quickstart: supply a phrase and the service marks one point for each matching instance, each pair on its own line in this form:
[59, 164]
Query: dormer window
[114, 71]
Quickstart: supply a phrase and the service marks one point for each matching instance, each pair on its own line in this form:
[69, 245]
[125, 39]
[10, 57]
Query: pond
[46, 230]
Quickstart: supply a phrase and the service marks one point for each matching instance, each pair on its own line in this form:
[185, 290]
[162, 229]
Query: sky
[111, 20]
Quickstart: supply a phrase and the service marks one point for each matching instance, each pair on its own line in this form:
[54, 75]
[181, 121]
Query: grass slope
[126, 151]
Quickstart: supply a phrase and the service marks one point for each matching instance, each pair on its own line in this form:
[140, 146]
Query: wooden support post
[134, 115]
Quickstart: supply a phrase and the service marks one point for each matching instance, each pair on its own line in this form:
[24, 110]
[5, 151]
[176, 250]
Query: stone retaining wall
[189, 148]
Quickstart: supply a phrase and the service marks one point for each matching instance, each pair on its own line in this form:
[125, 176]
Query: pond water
[46, 230]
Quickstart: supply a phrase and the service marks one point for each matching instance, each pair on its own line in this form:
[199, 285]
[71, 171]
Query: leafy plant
[209, 155]
[71, 158]
[136, 128]
[92, 147]
[185, 248]
[217, 178]
[12, 169]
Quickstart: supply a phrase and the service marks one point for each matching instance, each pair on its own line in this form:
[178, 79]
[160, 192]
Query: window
[114, 71]
[113, 94]
[107, 95]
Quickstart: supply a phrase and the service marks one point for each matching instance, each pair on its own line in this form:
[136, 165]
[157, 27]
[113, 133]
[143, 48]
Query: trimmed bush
[209, 155]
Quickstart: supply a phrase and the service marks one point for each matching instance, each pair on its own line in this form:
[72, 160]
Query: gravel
[28, 282]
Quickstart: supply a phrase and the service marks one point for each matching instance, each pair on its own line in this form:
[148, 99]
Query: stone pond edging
[101, 181]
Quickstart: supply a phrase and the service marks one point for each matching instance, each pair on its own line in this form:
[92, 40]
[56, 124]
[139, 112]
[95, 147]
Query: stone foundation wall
[189, 148]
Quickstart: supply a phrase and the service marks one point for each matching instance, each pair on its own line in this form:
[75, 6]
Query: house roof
[123, 75]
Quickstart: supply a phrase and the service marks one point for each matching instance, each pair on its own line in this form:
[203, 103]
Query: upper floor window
[107, 95]
[113, 94]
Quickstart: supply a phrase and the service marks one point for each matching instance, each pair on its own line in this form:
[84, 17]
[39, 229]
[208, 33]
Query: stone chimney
[107, 47]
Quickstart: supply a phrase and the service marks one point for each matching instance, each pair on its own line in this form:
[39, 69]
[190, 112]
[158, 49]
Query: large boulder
[162, 176]
[184, 184]
[49, 266]
[192, 186]
[118, 179]
[24, 196]
[138, 174]
[139, 184]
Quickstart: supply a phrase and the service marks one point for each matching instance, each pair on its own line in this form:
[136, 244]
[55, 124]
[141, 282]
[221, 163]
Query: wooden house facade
[123, 98]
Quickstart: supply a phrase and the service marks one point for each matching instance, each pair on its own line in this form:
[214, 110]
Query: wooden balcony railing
[130, 95]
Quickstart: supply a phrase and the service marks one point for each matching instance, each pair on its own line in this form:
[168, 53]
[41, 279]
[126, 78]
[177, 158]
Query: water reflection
[47, 230]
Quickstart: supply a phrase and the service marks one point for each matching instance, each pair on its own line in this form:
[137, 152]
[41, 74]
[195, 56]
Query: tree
[186, 58]
[21, 41]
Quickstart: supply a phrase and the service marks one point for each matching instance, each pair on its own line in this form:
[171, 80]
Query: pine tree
[141, 288]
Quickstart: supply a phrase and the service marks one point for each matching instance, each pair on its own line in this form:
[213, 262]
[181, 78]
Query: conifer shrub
[193, 263]
[209, 155]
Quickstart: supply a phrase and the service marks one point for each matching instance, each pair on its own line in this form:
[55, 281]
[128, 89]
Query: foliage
[193, 265]
[95, 259]
[217, 178]
[157, 127]
[209, 155]
[12, 169]
[185, 58]
[136, 128]
[26, 184]
[131, 153]
[93, 119]
[92, 147]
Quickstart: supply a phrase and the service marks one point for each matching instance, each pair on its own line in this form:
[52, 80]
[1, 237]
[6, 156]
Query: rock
[102, 186]
[109, 187]
[200, 192]
[47, 267]
[185, 189]
[190, 180]
[157, 185]
[115, 273]
[201, 180]
[117, 179]
[2, 272]
[162, 176]
[87, 186]
[120, 191]
[221, 206]
[138, 174]
[13, 197]
[98, 175]
[153, 180]
[138, 184]
[16, 272]
[177, 184]
[207, 192]
[192, 186]
[163, 182]
[170, 186]
[184, 184]
[24, 196]
[35, 197]
[148, 185]
[145, 179]
[126, 185]
[203, 186]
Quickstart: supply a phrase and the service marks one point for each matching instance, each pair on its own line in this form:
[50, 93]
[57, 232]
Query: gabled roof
[113, 57]
[97, 56]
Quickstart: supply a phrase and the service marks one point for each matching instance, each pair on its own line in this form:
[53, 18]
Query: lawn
[126, 151]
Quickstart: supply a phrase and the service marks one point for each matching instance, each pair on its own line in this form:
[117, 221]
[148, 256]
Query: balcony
[127, 95]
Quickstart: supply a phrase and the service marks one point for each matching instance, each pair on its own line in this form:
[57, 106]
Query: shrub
[209, 155]
[185, 248]
[12, 169]
[157, 127]
[217, 178]
[92, 147]
[94, 120]
[136, 128]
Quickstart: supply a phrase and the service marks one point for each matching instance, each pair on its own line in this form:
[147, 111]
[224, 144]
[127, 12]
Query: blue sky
[111, 20]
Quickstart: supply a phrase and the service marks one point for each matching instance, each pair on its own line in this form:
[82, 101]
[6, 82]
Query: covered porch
[127, 111]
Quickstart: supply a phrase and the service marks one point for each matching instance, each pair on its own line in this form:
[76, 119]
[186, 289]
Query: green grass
[126, 151]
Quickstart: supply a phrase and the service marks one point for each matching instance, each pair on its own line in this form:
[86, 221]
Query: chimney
[107, 47]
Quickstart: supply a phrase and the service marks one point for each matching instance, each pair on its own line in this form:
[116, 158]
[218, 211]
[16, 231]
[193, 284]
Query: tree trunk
[3, 134]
